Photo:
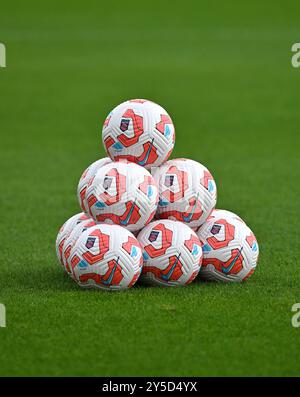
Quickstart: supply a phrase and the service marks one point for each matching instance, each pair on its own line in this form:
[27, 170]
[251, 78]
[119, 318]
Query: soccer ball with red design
[122, 193]
[140, 131]
[87, 175]
[172, 253]
[71, 240]
[230, 249]
[64, 232]
[187, 192]
[108, 257]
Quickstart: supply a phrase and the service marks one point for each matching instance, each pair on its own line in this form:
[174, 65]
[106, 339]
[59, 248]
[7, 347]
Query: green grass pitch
[224, 73]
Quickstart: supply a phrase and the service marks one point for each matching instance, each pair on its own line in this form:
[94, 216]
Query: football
[230, 249]
[87, 175]
[122, 193]
[172, 253]
[71, 240]
[64, 232]
[140, 131]
[108, 257]
[187, 192]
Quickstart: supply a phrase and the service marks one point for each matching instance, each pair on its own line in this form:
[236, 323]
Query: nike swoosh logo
[110, 277]
[189, 217]
[126, 220]
[143, 162]
[167, 276]
[232, 263]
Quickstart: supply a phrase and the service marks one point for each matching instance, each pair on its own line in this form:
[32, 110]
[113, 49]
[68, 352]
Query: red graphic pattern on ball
[190, 245]
[166, 241]
[251, 239]
[120, 180]
[249, 274]
[107, 120]
[191, 242]
[228, 231]
[74, 261]
[67, 254]
[164, 119]
[194, 212]
[91, 200]
[232, 266]
[138, 129]
[134, 279]
[113, 275]
[60, 249]
[171, 273]
[150, 217]
[82, 197]
[193, 276]
[182, 179]
[131, 242]
[144, 186]
[206, 179]
[130, 217]
[148, 156]
[108, 142]
[103, 246]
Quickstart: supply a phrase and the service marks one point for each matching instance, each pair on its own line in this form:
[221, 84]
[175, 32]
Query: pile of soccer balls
[161, 227]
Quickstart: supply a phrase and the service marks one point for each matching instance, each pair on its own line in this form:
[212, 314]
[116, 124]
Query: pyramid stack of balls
[145, 217]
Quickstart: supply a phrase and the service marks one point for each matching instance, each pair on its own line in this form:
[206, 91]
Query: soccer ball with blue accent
[187, 192]
[140, 131]
[122, 193]
[230, 249]
[172, 253]
[108, 257]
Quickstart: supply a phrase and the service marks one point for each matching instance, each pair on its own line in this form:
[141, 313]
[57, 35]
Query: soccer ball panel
[139, 131]
[122, 193]
[230, 248]
[172, 253]
[108, 257]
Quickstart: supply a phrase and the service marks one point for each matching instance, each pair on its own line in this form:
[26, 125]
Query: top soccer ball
[139, 131]
[187, 192]
[230, 249]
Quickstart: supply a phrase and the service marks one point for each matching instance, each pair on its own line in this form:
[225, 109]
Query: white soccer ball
[172, 253]
[140, 131]
[122, 193]
[88, 175]
[71, 240]
[64, 232]
[230, 249]
[187, 192]
[108, 257]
